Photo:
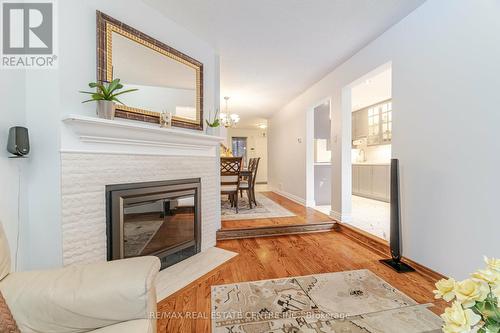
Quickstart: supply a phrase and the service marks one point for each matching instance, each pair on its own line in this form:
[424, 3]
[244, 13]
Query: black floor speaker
[395, 237]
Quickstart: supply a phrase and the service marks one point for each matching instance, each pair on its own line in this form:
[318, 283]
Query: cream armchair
[117, 296]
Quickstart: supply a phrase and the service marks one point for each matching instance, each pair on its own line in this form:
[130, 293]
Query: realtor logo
[28, 34]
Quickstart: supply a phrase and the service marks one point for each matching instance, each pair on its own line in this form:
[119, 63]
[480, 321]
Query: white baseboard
[311, 203]
[346, 218]
[290, 196]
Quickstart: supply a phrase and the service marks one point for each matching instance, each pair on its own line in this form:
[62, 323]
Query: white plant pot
[211, 130]
[106, 109]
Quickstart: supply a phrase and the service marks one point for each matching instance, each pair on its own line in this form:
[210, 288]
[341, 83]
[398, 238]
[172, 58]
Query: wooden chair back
[254, 167]
[230, 169]
[251, 162]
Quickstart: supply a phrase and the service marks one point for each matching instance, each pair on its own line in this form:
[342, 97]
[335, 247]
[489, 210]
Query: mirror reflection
[165, 84]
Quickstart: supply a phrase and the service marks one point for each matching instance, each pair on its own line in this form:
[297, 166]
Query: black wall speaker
[395, 238]
[19, 143]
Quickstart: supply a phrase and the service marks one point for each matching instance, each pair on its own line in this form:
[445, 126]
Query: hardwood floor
[306, 220]
[304, 215]
[188, 310]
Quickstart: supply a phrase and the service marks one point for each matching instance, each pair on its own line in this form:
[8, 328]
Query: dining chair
[230, 170]
[245, 180]
[246, 173]
[248, 184]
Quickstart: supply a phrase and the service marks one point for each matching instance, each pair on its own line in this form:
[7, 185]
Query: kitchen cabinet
[380, 123]
[354, 127]
[386, 123]
[380, 181]
[355, 179]
[359, 124]
[373, 126]
[373, 123]
[371, 181]
[365, 180]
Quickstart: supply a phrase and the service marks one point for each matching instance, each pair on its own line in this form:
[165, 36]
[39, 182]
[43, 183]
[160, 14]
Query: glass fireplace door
[158, 223]
[162, 221]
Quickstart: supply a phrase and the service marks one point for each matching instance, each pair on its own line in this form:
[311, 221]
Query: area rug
[266, 208]
[354, 301]
[137, 235]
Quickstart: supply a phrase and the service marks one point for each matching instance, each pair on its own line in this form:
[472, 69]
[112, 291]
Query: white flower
[470, 291]
[496, 292]
[458, 320]
[445, 289]
[490, 276]
[493, 264]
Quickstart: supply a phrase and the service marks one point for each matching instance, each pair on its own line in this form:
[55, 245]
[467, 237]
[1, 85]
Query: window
[239, 146]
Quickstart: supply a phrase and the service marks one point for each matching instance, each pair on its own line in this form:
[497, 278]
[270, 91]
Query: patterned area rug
[266, 208]
[354, 302]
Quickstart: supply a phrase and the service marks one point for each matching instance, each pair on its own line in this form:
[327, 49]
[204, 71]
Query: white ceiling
[272, 51]
[251, 122]
[371, 90]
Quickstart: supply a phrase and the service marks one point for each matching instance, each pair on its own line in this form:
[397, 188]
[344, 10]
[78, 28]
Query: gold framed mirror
[167, 80]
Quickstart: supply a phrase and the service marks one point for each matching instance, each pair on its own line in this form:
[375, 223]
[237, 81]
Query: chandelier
[227, 119]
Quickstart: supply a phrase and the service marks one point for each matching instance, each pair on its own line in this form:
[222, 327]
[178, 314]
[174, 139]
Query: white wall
[445, 92]
[12, 197]
[78, 19]
[49, 94]
[256, 147]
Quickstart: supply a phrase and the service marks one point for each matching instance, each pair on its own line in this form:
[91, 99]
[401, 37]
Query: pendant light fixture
[227, 119]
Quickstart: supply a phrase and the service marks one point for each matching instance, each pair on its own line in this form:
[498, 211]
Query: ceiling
[371, 90]
[271, 51]
[251, 122]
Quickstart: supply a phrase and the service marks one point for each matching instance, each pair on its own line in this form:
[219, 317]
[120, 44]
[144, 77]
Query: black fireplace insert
[160, 219]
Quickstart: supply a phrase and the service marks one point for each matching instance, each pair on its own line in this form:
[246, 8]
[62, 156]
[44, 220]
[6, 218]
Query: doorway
[371, 134]
[319, 161]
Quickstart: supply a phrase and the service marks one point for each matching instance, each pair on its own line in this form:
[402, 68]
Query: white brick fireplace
[97, 152]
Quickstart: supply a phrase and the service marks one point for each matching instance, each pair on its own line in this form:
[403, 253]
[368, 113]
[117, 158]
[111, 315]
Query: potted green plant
[106, 96]
[213, 124]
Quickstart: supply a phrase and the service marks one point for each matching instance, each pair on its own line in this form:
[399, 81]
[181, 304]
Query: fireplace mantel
[94, 135]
